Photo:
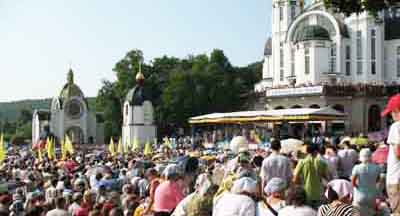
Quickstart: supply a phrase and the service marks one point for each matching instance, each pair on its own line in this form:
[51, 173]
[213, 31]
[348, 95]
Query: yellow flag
[120, 148]
[148, 149]
[126, 146]
[2, 149]
[167, 142]
[135, 144]
[51, 151]
[111, 147]
[40, 156]
[68, 145]
[63, 150]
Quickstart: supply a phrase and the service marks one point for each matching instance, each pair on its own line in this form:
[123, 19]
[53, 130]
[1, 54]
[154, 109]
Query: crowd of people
[321, 179]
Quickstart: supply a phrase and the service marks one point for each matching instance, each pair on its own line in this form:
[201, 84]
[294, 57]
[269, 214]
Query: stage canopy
[298, 114]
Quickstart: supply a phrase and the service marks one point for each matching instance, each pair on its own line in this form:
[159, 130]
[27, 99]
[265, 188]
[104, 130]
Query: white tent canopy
[298, 114]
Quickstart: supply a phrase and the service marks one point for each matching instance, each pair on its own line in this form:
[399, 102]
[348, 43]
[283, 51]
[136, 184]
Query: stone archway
[76, 135]
[374, 118]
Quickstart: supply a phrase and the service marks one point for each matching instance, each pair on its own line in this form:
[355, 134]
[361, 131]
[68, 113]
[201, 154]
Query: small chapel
[70, 115]
[138, 121]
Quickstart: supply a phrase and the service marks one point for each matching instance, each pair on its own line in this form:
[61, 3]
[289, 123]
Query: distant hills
[10, 110]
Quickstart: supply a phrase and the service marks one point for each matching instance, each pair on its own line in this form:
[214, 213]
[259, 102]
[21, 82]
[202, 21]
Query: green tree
[349, 7]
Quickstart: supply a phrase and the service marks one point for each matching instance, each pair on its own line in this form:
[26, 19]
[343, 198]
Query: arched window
[315, 106]
[279, 107]
[296, 106]
[374, 118]
[338, 107]
[310, 20]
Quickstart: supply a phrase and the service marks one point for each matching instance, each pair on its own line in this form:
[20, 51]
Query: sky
[40, 40]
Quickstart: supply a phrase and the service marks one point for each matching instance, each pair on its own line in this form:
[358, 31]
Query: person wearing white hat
[364, 179]
[238, 201]
[339, 193]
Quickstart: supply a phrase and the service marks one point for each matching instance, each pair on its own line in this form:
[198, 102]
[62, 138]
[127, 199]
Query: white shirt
[347, 159]
[58, 212]
[230, 204]
[393, 163]
[276, 165]
[297, 211]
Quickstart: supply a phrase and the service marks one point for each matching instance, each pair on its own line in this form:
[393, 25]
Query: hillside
[10, 110]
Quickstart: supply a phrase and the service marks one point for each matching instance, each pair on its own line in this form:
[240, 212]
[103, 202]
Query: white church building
[317, 58]
[70, 115]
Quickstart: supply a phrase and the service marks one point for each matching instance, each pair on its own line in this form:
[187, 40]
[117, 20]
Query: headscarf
[365, 155]
[170, 171]
[244, 184]
[275, 185]
[343, 188]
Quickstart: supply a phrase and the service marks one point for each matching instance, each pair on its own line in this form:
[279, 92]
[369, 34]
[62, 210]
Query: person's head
[99, 176]
[365, 155]
[151, 174]
[276, 145]
[296, 196]
[244, 158]
[245, 186]
[339, 189]
[171, 172]
[77, 197]
[393, 108]
[60, 202]
[275, 188]
[312, 149]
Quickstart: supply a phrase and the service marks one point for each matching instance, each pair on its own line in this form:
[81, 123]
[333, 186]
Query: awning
[300, 114]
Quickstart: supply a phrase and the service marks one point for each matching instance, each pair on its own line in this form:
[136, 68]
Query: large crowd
[320, 178]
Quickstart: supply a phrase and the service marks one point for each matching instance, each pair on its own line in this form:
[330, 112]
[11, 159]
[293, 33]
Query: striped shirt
[339, 210]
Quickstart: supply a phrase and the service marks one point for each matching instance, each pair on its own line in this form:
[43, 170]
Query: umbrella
[291, 145]
[238, 143]
[361, 141]
[380, 155]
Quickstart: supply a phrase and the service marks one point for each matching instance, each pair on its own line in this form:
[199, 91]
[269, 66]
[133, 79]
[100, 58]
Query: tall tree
[349, 7]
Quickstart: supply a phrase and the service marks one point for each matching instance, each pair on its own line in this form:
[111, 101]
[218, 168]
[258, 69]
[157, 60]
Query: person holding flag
[148, 150]
[111, 148]
[51, 151]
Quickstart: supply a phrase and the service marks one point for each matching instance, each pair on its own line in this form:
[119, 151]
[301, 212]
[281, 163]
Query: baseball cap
[394, 103]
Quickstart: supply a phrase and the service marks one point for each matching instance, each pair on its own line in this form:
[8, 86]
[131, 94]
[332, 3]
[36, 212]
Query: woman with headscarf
[168, 194]
[339, 193]
[239, 201]
[274, 200]
[200, 202]
[364, 179]
[296, 202]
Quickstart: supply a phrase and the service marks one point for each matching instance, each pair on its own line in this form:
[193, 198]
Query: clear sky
[40, 39]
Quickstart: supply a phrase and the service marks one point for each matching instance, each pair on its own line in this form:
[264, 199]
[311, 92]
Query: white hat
[244, 184]
[365, 155]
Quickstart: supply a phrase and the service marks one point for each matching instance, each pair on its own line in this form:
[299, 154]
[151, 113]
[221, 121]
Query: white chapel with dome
[70, 115]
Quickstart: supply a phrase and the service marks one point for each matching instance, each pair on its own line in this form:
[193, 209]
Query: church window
[292, 61]
[348, 60]
[333, 58]
[373, 51]
[359, 52]
[307, 60]
[293, 10]
[398, 62]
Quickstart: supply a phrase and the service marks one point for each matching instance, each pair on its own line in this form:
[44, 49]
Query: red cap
[394, 103]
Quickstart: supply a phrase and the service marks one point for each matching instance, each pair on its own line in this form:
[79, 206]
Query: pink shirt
[167, 196]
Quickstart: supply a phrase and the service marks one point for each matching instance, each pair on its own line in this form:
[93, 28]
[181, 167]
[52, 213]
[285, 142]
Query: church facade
[70, 115]
[317, 58]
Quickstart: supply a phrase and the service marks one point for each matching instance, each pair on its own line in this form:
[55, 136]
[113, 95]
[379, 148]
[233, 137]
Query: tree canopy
[349, 7]
[180, 88]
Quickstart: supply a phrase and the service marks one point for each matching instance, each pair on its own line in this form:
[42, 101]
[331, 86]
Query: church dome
[139, 93]
[70, 89]
[312, 32]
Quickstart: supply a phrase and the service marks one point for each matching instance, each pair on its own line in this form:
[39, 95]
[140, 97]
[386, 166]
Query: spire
[70, 76]
[139, 75]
